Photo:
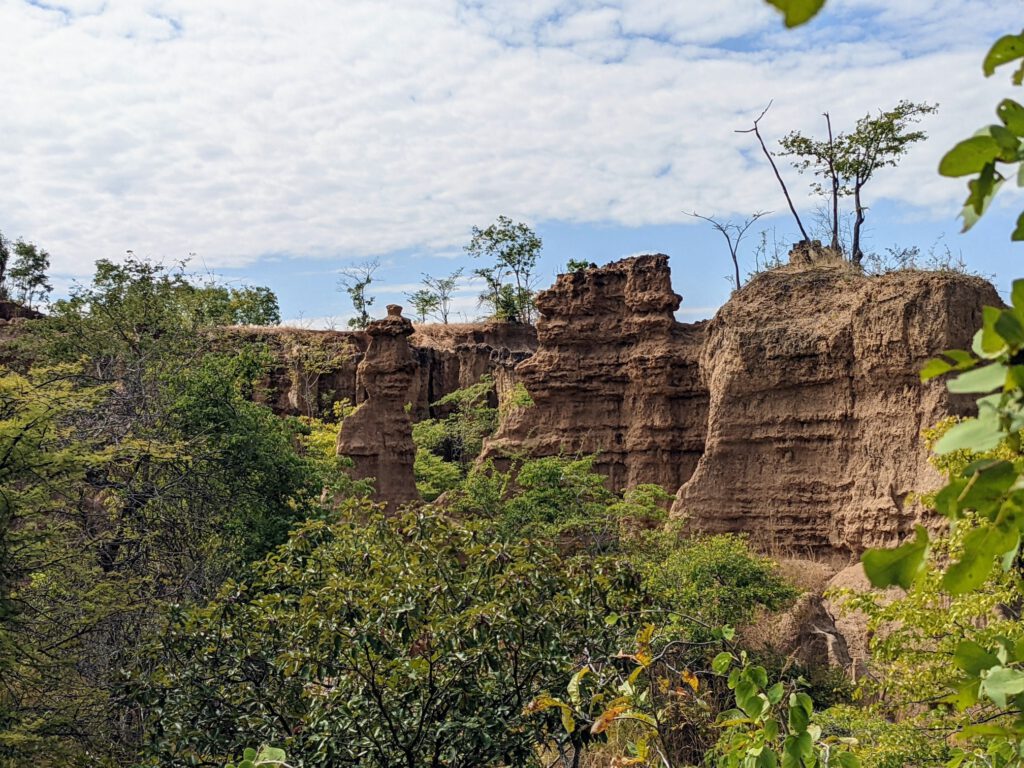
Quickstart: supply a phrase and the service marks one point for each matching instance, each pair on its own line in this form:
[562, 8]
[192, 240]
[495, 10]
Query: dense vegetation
[185, 577]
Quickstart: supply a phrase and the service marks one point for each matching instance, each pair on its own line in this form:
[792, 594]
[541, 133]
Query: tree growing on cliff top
[354, 281]
[843, 163]
[733, 233]
[435, 297]
[510, 280]
[24, 279]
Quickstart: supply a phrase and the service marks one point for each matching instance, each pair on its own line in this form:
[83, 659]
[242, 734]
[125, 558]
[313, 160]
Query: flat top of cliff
[799, 289]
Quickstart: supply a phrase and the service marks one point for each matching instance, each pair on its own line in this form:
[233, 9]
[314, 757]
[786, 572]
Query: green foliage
[447, 446]
[424, 303]
[768, 728]
[167, 479]
[797, 12]
[514, 248]
[716, 580]
[847, 161]
[644, 706]
[983, 502]
[24, 279]
[27, 273]
[415, 641]
[994, 153]
[577, 265]
[435, 297]
[266, 756]
[355, 280]
[881, 743]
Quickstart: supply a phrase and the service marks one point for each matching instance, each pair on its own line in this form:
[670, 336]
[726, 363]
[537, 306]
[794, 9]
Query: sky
[275, 143]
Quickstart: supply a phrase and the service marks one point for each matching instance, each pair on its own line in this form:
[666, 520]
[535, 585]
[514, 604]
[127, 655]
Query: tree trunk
[856, 256]
[835, 186]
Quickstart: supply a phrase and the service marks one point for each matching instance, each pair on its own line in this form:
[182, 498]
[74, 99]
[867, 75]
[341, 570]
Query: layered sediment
[377, 436]
[816, 407]
[614, 375]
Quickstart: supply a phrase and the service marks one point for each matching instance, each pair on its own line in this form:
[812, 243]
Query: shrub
[399, 642]
[714, 579]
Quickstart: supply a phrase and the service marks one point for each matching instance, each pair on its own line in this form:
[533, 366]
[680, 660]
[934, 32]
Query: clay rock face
[614, 374]
[377, 436]
[805, 632]
[314, 369]
[456, 356]
[816, 411]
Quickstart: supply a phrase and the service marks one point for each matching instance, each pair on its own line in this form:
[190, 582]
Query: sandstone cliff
[816, 410]
[614, 374]
[377, 436]
[312, 370]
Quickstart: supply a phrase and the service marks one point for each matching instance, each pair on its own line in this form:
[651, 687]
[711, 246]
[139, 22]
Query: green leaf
[847, 760]
[573, 688]
[750, 700]
[568, 722]
[979, 434]
[1018, 232]
[1010, 328]
[986, 379]
[950, 360]
[972, 658]
[1002, 683]
[947, 500]
[902, 565]
[798, 719]
[981, 547]
[991, 342]
[981, 192]
[988, 482]
[964, 695]
[271, 755]
[1017, 297]
[1006, 49]
[249, 754]
[1012, 115]
[969, 156]
[797, 12]
[721, 663]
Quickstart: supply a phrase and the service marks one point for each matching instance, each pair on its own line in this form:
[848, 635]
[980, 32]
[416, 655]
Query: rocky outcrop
[312, 370]
[614, 375]
[13, 311]
[456, 356]
[806, 632]
[816, 409]
[377, 436]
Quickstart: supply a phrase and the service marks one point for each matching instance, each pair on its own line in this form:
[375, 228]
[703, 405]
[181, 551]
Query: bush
[399, 642]
[716, 580]
[881, 743]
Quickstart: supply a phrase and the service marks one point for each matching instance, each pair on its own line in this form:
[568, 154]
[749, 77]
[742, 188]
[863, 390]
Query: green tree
[848, 161]
[27, 274]
[408, 642]
[443, 288]
[424, 303]
[172, 479]
[254, 305]
[514, 248]
[354, 281]
[5, 259]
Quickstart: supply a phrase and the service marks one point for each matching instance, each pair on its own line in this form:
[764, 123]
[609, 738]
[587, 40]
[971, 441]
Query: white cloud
[235, 130]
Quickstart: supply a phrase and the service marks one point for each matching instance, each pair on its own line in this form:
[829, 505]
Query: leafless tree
[733, 233]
